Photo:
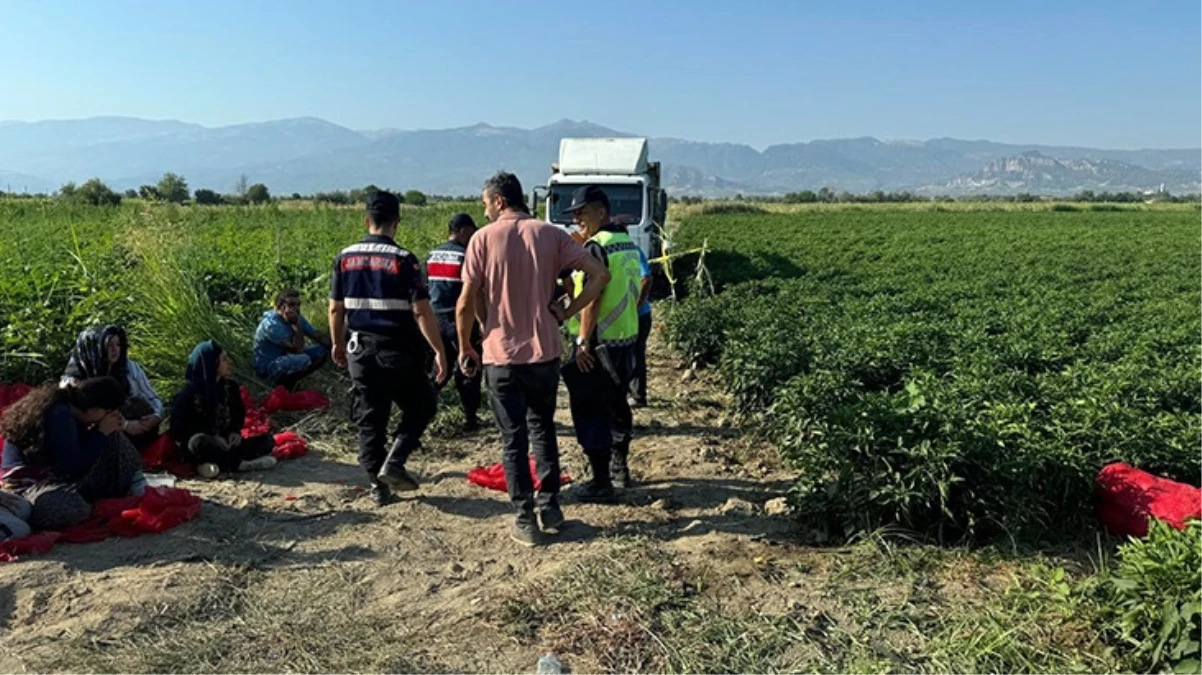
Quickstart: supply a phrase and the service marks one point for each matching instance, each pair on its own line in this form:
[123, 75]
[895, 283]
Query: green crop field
[955, 375]
[173, 275]
[958, 374]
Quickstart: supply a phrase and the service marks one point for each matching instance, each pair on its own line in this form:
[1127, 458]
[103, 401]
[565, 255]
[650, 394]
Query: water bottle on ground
[550, 665]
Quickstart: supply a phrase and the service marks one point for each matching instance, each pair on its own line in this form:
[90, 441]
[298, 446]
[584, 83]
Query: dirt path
[295, 569]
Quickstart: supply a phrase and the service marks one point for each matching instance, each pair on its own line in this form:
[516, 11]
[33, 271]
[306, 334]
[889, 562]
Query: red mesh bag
[38, 542]
[289, 446]
[1128, 497]
[282, 399]
[493, 477]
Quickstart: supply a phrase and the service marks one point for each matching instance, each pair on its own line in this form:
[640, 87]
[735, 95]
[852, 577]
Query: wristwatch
[581, 341]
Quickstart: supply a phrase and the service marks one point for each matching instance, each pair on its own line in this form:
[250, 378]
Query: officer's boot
[600, 489]
[619, 471]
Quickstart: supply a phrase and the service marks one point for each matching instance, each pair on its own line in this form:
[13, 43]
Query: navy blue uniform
[444, 270]
[379, 282]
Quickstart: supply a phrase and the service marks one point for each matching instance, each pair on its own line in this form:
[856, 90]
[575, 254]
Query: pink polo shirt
[516, 261]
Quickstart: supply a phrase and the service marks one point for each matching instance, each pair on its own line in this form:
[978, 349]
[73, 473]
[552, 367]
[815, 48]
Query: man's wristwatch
[581, 341]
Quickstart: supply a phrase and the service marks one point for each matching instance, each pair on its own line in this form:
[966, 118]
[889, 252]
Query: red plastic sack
[1128, 497]
[160, 509]
[247, 401]
[257, 423]
[38, 542]
[289, 446]
[282, 399]
[493, 477]
[11, 393]
[162, 455]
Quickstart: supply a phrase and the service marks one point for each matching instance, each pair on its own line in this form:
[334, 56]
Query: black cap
[460, 222]
[383, 208]
[589, 194]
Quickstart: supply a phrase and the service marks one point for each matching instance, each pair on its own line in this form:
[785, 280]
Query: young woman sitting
[63, 450]
[207, 418]
[104, 350]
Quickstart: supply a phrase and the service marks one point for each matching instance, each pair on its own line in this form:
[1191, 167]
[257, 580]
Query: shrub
[1157, 598]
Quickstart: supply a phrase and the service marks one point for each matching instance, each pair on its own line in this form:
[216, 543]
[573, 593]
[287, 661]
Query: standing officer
[379, 313]
[603, 359]
[444, 269]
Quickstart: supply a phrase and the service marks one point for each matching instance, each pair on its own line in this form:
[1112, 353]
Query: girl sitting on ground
[63, 450]
[208, 415]
[104, 350]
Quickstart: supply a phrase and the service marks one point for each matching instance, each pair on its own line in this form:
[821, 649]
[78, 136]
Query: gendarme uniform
[601, 414]
[378, 282]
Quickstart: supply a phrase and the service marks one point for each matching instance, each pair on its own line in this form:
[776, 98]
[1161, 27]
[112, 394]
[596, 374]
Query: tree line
[173, 188]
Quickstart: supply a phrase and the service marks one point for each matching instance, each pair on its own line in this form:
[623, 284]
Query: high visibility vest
[618, 320]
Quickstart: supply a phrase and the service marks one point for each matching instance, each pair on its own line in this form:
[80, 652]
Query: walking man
[379, 313]
[638, 384]
[602, 363]
[444, 271]
[509, 278]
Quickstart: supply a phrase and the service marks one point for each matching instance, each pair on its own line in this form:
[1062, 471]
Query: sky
[1101, 74]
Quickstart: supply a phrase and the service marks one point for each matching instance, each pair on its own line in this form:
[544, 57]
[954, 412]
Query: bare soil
[427, 574]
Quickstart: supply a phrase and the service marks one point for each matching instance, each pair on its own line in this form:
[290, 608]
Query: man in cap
[379, 315]
[509, 278]
[604, 337]
[444, 272]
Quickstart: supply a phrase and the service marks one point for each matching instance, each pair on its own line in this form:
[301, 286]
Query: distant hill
[1037, 173]
[308, 154]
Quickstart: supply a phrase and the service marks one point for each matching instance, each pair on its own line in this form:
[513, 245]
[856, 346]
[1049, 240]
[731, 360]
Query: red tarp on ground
[493, 477]
[1128, 497]
[160, 509]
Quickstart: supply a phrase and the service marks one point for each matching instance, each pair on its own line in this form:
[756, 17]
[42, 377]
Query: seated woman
[208, 415]
[63, 450]
[104, 350]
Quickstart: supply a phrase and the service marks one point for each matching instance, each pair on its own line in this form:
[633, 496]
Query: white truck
[618, 166]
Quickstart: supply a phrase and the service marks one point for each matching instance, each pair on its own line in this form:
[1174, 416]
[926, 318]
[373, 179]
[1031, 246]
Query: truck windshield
[625, 199]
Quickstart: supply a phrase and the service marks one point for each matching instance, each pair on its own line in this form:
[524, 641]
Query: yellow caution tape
[664, 260]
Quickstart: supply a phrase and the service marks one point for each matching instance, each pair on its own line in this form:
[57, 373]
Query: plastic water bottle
[549, 665]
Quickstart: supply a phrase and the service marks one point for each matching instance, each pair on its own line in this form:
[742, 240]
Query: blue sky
[1104, 74]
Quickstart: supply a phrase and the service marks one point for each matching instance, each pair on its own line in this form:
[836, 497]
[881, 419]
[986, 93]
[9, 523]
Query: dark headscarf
[202, 375]
[90, 359]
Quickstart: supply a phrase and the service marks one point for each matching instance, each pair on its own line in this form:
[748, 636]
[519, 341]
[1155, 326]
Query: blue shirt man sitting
[281, 356]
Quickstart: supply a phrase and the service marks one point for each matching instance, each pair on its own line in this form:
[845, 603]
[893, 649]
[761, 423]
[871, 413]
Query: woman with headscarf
[63, 450]
[104, 351]
[208, 415]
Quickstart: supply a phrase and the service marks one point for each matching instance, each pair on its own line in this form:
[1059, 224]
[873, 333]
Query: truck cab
[620, 168]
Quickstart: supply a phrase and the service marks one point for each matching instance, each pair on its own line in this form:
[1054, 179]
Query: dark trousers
[600, 412]
[467, 387]
[383, 373]
[203, 449]
[638, 383]
[523, 401]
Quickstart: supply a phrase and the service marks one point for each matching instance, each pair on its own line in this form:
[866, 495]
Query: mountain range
[309, 155]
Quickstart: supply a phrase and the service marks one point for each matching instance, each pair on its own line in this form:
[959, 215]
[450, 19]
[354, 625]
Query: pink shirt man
[516, 261]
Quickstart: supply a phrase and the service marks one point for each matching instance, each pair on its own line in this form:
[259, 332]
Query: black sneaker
[381, 495]
[593, 493]
[525, 532]
[550, 519]
[472, 424]
[399, 480]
